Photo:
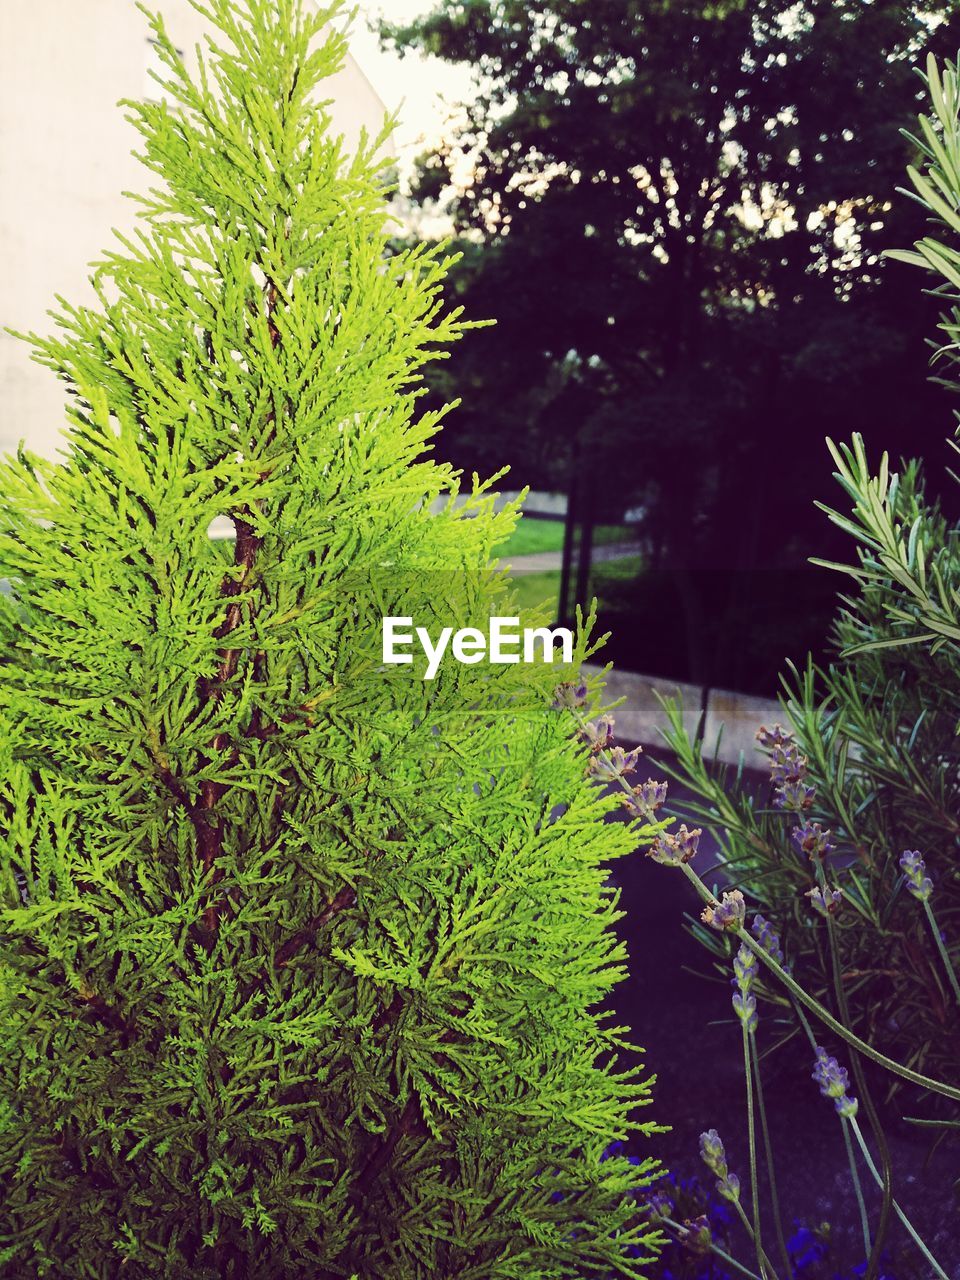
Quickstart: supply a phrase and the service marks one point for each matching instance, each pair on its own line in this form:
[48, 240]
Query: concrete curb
[733, 717]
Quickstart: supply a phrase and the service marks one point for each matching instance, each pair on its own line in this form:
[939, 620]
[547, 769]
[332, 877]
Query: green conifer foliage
[302, 958]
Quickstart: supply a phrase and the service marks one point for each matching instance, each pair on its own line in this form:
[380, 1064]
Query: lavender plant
[859, 824]
[760, 951]
[850, 852]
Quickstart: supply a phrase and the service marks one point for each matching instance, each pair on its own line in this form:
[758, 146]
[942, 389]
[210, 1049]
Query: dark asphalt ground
[693, 1044]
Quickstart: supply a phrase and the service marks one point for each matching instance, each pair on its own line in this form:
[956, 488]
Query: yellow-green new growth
[302, 959]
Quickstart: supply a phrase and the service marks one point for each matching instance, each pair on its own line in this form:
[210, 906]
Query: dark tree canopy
[676, 215]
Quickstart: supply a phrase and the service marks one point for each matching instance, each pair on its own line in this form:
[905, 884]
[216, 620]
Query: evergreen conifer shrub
[303, 957]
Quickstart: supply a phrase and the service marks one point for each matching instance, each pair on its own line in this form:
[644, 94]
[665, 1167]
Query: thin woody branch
[247, 545]
[297, 942]
[409, 1123]
[179, 793]
[341, 902]
[108, 1016]
[210, 828]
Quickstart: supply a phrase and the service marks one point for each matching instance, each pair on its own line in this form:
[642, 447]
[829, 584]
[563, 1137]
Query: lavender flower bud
[765, 934]
[673, 848]
[827, 904]
[915, 870]
[744, 972]
[645, 800]
[697, 1235]
[775, 737]
[794, 795]
[715, 1158]
[788, 768]
[569, 696]
[812, 840]
[614, 763]
[834, 1083]
[598, 733]
[659, 1206]
[787, 764]
[745, 1007]
[712, 1152]
[729, 913]
[744, 968]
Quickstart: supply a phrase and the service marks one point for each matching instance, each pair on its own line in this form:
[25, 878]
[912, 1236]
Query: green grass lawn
[623, 569]
[535, 588]
[532, 536]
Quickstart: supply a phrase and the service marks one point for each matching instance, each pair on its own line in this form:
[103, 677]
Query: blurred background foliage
[675, 213]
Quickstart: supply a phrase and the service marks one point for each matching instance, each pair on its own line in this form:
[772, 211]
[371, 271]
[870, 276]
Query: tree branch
[108, 1016]
[409, 1123]
[341, 902]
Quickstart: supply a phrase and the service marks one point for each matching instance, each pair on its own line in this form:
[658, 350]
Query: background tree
[852, 848]
[674, 211]
[300, 964]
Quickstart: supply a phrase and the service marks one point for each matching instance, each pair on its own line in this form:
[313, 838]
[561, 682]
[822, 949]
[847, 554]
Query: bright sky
[425, 89]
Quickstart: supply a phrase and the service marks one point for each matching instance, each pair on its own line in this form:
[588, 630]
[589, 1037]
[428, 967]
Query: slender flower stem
[866, 1097]
[908, 1225]
[857, 1188]
[827, 1018]
[951, 972]
[752, 1147]
[805, 1023]
[766, 1267]
[874, 1172]
[721, 1253]
[768, 1156]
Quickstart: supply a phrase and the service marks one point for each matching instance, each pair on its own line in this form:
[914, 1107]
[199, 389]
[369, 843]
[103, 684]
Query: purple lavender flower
[659, 1206]
[744, 972]
[712, 1152]
[745, 1007]
[672, 848]
[834, 1083]
[788, 769]
[775, 737]
[765, 934]
[644, 801]
[744, 967]
[697, 1235]
[598, 733]
[614, 763]
[806, 1248]
[729, 913]
[795, 795]
[715, 1158]
[826, 904]
[915, 870]
[786, 763]
[569, 696]
[811, 839]
[654, 793]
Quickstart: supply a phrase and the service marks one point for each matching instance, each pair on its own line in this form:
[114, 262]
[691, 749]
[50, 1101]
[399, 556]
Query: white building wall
[65, 159]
